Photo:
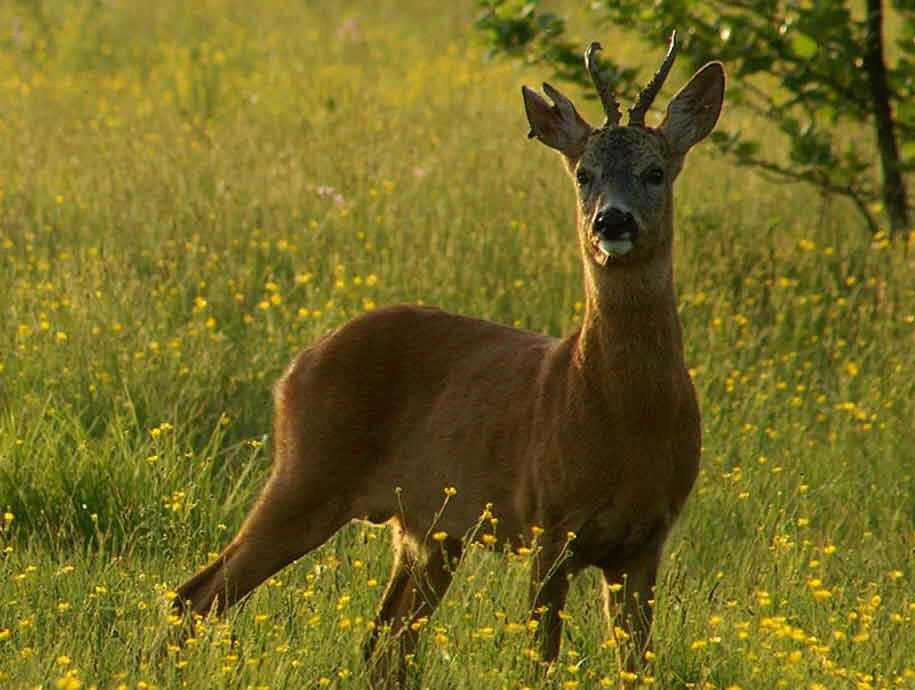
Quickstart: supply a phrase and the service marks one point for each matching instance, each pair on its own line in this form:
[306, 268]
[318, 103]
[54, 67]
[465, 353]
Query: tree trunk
[894, 192]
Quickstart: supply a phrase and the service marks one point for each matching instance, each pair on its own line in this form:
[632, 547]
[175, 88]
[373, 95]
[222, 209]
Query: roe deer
[597, 434]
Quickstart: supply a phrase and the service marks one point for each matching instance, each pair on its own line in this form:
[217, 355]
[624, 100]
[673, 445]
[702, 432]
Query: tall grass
[190, 193]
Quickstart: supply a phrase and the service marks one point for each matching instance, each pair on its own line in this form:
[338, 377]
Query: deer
[587, 445]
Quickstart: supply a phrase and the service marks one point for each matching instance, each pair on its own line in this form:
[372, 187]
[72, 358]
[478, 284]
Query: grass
[189, 194]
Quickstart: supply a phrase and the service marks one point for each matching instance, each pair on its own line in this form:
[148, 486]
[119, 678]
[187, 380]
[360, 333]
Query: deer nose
[615, 224]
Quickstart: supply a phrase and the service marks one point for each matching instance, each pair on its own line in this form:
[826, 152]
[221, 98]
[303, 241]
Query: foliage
[165, 252]
[800, 66]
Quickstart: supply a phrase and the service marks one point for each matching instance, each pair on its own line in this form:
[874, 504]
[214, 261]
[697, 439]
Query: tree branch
[857, 196]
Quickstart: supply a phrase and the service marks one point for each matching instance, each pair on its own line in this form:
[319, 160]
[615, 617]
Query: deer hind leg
[419, 579]
[299, 509]
[404, 561]
[287, 522]
[628, 592]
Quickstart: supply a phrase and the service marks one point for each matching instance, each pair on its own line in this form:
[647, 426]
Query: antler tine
[611, 105]
[648, 94]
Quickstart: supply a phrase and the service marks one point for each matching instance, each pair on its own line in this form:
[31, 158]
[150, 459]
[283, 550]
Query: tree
[814, 68]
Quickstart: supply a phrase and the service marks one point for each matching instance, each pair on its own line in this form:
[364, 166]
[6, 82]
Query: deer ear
[693, 112]
[559, 126]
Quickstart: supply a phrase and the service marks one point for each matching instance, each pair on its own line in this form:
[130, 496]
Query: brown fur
[597, 434]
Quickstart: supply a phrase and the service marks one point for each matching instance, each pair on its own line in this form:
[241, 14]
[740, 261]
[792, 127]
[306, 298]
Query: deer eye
[654, 176]
[583, 177]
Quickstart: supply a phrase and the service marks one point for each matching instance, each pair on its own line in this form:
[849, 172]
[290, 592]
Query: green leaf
[803, 45]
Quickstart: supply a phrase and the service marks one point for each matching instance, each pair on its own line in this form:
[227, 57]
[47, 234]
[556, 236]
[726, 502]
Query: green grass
[191, 193]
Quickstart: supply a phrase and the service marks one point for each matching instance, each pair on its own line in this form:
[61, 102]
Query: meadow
[189, 193]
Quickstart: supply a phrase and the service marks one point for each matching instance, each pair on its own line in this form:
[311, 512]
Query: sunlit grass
[189, 194]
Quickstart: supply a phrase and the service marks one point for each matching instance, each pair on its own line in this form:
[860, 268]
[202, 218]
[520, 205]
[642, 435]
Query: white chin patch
[615, 247]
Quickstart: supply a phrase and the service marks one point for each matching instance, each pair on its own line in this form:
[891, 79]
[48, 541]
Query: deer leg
[628, 591]
[549, 588]
[285, 524]
[404, 561]
[415, 589]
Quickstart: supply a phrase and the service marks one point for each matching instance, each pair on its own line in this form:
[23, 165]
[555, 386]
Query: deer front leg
[628, 591]
[549, 587]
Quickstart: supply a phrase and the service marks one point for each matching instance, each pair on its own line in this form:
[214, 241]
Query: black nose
[614, 223]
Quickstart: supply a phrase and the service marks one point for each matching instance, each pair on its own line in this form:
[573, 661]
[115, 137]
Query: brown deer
[594, 438]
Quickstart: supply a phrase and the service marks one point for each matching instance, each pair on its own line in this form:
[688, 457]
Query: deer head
[624, 174]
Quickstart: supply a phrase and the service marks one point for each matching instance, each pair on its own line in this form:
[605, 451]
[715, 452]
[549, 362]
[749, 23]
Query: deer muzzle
[615, 230]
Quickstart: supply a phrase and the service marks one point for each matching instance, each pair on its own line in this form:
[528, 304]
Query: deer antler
[647, 95]
[611, 105]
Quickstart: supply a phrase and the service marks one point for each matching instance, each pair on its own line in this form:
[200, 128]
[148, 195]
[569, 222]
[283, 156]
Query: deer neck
[630, 323]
